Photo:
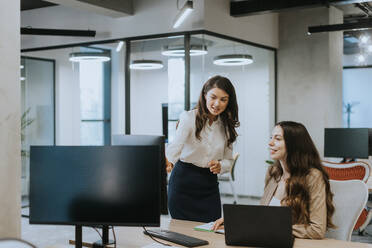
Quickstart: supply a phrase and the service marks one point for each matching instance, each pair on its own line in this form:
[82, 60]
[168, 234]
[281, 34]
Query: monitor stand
[78, 236]
[98, 244]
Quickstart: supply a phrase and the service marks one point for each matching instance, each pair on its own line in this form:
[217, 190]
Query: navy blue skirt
[193, 193]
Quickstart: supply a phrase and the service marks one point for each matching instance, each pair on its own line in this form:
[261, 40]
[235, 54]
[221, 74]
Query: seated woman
[298, 180]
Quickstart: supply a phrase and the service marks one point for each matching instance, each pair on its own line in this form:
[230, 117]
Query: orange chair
[359, 170]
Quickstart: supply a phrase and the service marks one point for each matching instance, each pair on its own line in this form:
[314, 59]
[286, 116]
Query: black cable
[113, 233]
[19, 240]
[97, 231]
[25, 216]
[144, 228]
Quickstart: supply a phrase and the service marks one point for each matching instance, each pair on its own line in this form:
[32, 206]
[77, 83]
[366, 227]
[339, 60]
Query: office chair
[349, 199]
[357, 170]
[230, 177]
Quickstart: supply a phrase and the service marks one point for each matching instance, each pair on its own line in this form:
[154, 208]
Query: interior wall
[310, 71]
[10, 118]
[150, 17]
[261, 29]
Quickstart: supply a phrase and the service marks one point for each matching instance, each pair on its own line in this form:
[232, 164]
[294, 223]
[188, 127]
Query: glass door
[38, 109]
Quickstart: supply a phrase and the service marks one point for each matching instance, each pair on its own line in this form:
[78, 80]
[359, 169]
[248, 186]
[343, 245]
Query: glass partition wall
[37, 107]
[157, 86]
[149, 81]
[160, 93]
[252, 71]
[83, 92]
[356, 88]
[74, 93]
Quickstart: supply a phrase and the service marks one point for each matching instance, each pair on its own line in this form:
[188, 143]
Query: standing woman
[202, 148]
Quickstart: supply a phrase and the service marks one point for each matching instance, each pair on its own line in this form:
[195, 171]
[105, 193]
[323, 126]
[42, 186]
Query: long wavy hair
[229, 117]
[302, 156]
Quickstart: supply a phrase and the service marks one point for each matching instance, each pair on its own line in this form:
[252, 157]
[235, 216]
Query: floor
[48, 236]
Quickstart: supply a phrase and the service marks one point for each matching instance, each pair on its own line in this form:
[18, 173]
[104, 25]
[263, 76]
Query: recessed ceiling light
[21, 67]
[81, 56]
[179, 51]
[233, 59]
[146, 64]
[22, 78]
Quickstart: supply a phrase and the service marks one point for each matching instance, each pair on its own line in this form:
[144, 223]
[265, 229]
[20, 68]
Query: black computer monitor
[95, 185]
[145, 140]
[347, 142]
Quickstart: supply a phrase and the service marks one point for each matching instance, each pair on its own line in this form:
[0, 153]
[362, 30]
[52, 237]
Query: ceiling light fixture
[120, 45]
[81, 56]
[352, 26]
[233, 60]
[22, 78]
[58, 32]
[21, 67]
[179, 51]
[146, 64]
[184, 12]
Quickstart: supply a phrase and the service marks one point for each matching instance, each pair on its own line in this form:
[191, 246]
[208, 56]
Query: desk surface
[134, 237]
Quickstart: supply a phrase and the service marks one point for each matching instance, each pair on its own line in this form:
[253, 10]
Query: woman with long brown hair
[201, 149]
[298, 180]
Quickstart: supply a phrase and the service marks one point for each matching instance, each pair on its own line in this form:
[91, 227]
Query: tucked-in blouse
[212, 145]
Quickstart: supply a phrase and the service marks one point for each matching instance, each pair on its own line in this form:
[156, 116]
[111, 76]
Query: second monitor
[146, 140]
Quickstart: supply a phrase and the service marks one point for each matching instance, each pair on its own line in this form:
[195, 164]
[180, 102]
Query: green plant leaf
[269, 162]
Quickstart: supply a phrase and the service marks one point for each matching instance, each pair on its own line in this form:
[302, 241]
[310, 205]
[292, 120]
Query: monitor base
[98, 244]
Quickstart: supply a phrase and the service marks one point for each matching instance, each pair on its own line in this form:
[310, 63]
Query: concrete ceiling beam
[112, 8]
[254, 7]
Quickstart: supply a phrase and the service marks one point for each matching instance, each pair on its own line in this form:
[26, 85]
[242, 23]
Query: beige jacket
[318, 209]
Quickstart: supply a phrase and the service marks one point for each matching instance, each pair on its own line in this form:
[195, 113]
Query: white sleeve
[184, 129]
[227, 160]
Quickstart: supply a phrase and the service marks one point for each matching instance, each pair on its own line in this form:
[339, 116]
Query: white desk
[134, 237]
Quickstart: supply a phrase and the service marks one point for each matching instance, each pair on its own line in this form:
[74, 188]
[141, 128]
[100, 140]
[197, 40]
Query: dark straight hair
[229, 116]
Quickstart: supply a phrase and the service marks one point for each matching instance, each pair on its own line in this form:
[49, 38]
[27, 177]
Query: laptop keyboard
[177, 238]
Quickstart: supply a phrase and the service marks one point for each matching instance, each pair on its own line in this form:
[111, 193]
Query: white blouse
[212, 145]
[274, 202]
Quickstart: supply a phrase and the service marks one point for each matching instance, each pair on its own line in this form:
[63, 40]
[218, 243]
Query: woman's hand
[218, 224]
[169, 165]
[215, 166]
